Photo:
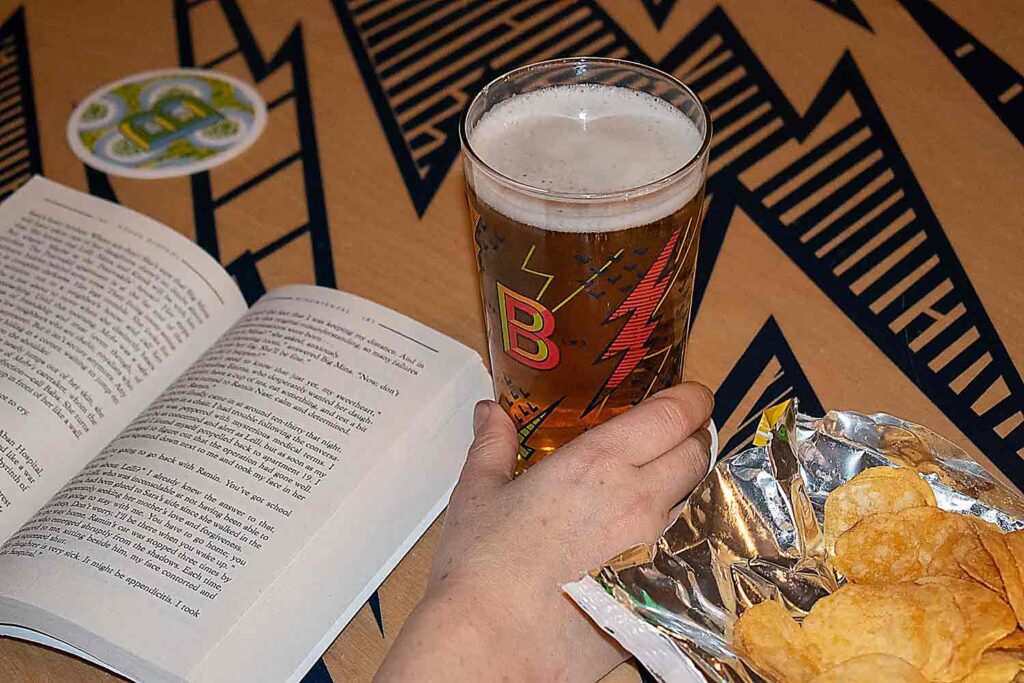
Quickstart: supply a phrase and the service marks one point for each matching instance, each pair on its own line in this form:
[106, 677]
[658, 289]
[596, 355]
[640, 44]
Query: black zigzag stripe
[378, 616]
[99, 184]
[318, 674]
[291, 55]
[420, 82]
[422, 61]
[847, 9]
[20, 157]
[751, 115]
[766, 374]
[998, 83]
[932, 326]
[851, 214]
[659, 10]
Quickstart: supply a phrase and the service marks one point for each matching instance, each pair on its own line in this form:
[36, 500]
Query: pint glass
[586, 185]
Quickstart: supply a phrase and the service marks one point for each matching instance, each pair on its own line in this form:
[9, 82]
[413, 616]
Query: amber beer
[586, 183]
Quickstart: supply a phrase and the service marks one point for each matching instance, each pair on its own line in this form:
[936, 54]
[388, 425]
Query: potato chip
[774, 643]
[919, 624]
[995, 667]
[1014, 641]
[895, 546]
[871, 669]
[947, 630]
[946, 561]
[978, 523]
[981, 566]
[1015, 544]
[931, 596]
[963, 556]
[988, 619]
[877, 489]
[998, 545]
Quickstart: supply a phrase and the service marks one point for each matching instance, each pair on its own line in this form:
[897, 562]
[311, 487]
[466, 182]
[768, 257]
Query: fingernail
[479, 415]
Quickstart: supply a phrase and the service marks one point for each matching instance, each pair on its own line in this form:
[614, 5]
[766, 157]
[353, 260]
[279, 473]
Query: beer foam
[585, 139]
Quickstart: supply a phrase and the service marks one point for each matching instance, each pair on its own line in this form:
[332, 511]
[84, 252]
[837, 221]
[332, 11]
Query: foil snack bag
[752, 530]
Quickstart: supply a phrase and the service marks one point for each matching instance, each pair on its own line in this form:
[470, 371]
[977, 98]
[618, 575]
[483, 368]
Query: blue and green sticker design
[166, 123]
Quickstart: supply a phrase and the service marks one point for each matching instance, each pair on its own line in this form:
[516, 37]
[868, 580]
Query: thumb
[492, 456]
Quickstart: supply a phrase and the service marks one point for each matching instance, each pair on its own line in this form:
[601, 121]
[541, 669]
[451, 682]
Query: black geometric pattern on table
[318, 674]
[766, 374]
[847, 9]
[209, 208]
[750, 114]
[422, 61]
[659, 10]
[872, 243]
[378, 616]
[20, 157]
[996, 82]
[874, 246]
[99, 184]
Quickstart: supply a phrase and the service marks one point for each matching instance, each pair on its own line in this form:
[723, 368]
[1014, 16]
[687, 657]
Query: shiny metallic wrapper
[752, 530]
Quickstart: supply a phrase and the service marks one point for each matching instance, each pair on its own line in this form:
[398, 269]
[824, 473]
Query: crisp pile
[931, 596]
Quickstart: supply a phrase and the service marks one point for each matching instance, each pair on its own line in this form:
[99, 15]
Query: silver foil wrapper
[752, 530]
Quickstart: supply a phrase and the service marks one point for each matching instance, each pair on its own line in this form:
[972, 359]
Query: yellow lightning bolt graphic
[657, 373]
[655, 354]
[589, 280]
[549, 277]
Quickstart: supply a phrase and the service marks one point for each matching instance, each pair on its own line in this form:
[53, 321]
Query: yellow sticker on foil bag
[768, 419]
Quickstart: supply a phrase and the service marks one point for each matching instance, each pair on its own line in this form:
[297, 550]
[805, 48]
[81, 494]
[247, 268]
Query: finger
[492, 456]
[653, 426]
[672, 476]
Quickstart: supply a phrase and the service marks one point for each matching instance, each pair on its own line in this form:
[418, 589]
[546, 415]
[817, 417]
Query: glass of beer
[586, 185]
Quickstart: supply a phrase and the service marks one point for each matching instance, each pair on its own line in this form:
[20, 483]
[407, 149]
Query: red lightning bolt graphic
[641, 304]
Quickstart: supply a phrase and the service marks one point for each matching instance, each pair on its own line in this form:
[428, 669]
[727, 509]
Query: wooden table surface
[862, 249]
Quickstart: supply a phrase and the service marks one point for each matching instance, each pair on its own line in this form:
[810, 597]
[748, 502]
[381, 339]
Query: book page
[351, 554]
[100, 309]
[183, 522]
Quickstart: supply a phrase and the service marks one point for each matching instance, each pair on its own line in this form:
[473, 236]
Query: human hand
[494, 609]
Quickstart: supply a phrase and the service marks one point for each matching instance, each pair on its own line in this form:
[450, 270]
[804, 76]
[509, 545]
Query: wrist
[472, 618]
[452, 636]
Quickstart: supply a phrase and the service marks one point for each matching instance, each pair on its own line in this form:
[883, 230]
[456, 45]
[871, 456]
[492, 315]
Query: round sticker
[171, 122]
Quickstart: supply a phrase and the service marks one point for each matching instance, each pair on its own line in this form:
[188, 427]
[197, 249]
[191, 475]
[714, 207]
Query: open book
[193, 491]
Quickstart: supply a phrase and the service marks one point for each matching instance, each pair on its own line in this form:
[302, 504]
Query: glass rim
[637, 190]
